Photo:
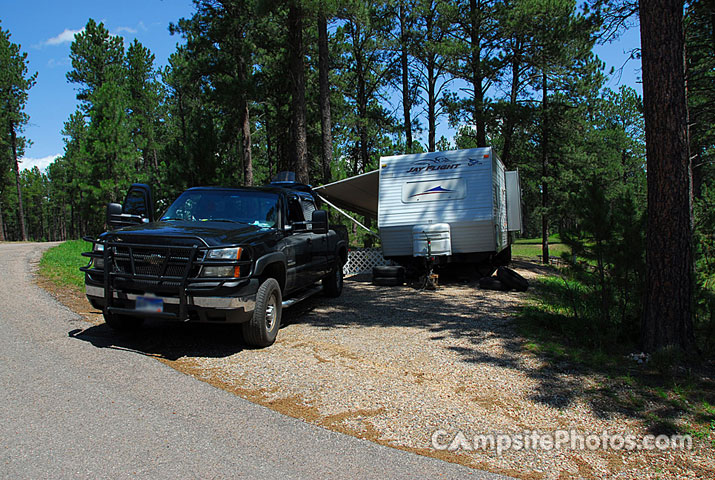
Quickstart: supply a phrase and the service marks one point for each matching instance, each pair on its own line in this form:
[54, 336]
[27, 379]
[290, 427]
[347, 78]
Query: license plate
[150, 304]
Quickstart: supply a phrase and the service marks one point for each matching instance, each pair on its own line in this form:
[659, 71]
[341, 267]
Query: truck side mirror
[114, 212]
[320, 221]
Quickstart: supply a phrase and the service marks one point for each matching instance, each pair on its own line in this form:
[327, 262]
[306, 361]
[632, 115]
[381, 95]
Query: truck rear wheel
[262, 329]
[122, 323]
[333, 282]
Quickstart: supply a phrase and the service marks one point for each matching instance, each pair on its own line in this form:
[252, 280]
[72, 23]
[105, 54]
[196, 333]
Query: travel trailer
[451, 207]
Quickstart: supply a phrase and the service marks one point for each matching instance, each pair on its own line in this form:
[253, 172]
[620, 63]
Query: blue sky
[45, 29]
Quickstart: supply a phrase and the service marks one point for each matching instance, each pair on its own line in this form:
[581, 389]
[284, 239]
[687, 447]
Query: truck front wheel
[261, 330]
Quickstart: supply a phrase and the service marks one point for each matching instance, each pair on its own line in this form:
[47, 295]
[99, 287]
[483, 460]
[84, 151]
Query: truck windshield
[249, 207]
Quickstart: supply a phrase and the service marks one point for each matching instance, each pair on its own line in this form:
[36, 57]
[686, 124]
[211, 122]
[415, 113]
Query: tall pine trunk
[544, 169]
[297, 71]
[326, 125]
[246, 143]
[2, 226]
[669, 251]
[510, 121]
[406, 102]
[477, 75]
[18, 182]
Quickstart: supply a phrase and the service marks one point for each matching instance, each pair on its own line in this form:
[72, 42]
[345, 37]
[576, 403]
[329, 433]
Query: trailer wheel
[122, 323]
[261, 330]
[387, 281]
[512, 279]
[503, 258]
[491, 283]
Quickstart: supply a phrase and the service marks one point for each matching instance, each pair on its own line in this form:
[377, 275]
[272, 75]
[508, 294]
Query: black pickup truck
[231, 255]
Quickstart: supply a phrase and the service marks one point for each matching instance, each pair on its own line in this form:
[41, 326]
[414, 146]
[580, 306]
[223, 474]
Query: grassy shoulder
[665, 396]
[60, 265]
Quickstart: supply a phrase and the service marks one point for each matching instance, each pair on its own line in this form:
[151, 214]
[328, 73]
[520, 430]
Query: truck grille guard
[159, 268]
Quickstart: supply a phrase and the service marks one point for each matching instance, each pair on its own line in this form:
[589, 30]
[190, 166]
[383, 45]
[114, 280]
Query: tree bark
[406, 103]
[326, 124]
[297, 70]
[477, 76]
[669, 251]
[513, 97]
[18, 182]
[247, 146]
[2, 226]
[544, 169]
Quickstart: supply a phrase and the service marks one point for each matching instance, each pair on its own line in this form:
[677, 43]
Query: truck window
[135, 203]
[308, 209]
[295, 211]
[253, 208]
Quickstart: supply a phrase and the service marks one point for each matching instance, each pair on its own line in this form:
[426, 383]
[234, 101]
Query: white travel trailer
[455, 206]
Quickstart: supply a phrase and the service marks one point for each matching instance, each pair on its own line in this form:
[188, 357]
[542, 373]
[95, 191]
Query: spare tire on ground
[492, 283]
[387, 281]
[388, 275]
[388, 271]
[511, 279]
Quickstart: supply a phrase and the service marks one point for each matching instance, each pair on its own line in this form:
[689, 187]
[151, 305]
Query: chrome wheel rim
[271, 308]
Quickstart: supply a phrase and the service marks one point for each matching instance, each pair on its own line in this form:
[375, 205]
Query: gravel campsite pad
[395, 364]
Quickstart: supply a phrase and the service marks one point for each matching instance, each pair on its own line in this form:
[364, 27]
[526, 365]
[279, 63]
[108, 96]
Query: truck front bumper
[229, 309]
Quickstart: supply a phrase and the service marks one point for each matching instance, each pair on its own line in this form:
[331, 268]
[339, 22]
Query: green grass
[531, 247]
[61, 264]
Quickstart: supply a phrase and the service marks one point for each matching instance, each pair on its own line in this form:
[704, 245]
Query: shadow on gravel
[480, 316]
[172, 341]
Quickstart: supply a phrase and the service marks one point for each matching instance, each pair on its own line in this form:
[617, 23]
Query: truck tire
[333, 282]
[491, 283]
[512, 279]
[122, 323]
[262, 329]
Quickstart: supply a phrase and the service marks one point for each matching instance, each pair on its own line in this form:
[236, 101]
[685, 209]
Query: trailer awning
[357, 194]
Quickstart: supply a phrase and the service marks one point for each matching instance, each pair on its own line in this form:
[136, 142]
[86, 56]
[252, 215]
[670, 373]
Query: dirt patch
[394, 365]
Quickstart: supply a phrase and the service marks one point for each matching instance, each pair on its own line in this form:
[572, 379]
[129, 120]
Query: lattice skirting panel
[361, 260]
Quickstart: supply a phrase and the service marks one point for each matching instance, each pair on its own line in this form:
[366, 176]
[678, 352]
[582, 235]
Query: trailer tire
[492, 283]
[261, 330]
[512, 279]
[387, 282]
[503, 258]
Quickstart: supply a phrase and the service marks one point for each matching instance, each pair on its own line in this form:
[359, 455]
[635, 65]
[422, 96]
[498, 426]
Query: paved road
[71, 410]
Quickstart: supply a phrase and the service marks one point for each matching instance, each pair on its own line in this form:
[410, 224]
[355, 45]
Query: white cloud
[65, 37]
[125, 29]
[27, 163]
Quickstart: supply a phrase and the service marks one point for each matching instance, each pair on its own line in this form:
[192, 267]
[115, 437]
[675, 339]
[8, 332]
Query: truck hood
[212, 233]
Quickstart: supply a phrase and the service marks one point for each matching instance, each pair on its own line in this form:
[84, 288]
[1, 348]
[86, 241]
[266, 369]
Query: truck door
[138, 207]
[318, 242]
[297, 246]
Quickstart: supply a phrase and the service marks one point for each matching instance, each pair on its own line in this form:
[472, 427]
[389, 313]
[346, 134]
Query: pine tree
[14, 86]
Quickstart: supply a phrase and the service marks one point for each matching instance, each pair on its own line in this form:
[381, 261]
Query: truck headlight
[223, 271]
[99, 262]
